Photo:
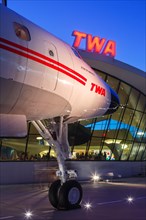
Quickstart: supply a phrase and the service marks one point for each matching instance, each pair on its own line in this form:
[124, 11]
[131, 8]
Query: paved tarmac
[108, 201]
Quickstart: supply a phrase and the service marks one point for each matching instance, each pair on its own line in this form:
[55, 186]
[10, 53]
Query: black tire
[70, 195]
[53, 193]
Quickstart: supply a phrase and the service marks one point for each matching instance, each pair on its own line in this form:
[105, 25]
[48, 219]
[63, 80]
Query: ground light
[88, 205]
[130, 199]
[28, 214]
[95, 177]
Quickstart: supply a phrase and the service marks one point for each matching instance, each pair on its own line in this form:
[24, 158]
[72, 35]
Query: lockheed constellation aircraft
[42, 79]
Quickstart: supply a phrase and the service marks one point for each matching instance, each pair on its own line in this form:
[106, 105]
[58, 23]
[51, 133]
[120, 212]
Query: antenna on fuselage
[4, 2]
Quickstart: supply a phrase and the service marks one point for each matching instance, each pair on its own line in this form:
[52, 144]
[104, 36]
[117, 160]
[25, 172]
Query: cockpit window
[76, 52]
[22, 32]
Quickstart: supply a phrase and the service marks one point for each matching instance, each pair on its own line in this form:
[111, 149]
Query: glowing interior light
[39, 138]
[130, 199]
[140, 133]
[28, 214]
[124, 146]
[88, 205]
[95, 177]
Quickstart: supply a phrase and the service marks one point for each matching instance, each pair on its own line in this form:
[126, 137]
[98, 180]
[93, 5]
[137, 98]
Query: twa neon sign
[95, 44]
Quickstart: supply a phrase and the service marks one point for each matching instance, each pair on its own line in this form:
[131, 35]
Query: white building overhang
[129, 74]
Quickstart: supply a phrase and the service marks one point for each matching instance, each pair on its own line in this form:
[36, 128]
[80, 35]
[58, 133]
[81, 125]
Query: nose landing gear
[65, 193]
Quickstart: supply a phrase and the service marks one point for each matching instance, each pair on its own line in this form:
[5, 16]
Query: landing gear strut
[66, 192]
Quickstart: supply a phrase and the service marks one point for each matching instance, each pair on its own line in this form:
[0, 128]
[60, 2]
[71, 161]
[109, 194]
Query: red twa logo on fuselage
[97, 89]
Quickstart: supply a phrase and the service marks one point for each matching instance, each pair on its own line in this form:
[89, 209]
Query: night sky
[122, 21]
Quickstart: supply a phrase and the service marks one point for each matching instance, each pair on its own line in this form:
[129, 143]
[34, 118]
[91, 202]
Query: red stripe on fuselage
[41, 61]
[45, 58]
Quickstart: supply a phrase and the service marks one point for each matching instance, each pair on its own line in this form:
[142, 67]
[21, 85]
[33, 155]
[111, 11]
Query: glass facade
[121, 136]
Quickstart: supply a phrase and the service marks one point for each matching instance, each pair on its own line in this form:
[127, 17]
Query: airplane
[45, 81]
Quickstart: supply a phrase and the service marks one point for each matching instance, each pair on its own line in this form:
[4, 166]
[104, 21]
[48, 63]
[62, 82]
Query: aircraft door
[42, 67]
[31, 91]
[12, 62]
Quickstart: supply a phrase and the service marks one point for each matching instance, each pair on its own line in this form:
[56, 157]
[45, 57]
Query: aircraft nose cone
[115, 102]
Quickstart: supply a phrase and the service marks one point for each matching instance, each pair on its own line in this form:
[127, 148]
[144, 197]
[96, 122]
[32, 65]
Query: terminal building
[123, 134]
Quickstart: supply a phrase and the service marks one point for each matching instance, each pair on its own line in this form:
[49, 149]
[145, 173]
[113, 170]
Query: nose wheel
[66, 196]
[65, 193]
[53, 193]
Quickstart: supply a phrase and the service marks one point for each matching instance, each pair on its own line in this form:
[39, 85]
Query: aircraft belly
[38, 104]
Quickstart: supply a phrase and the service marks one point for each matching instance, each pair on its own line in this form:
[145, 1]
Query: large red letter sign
[78, 37]
[95, 44]
[110, 48]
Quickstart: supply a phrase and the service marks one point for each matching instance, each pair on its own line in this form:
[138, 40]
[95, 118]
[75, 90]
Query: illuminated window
[21, 32]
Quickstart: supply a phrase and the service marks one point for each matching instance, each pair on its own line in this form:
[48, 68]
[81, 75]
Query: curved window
[22, 32]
